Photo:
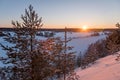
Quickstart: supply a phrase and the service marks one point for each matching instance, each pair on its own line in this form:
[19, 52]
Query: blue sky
[61, 13]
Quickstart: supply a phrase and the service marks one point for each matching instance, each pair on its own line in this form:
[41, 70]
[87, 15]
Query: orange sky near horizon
[69, 26]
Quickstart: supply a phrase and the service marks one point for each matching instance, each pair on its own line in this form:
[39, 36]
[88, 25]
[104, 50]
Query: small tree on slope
[113, 40]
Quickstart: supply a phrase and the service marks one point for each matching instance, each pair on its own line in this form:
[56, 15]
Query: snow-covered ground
[104, 69]
[81, 40]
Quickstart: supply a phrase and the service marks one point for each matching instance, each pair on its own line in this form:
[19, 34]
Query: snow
[81, 40]
[81, 44]
[73, 34]
[2, 51]
[106, 68]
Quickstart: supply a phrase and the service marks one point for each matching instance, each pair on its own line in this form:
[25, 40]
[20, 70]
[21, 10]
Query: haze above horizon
[61, 13]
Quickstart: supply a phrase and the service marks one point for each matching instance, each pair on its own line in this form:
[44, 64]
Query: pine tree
[2, 74]
[44, 58]
[95, 51]
[63, 59]
[31, 59]
[113, 40]
[54, 62]
[68, 57]
[20, 55]
[79, 60]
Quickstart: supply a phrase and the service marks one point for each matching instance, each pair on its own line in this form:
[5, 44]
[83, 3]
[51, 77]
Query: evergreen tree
[31, 59]
[20, 55]
[54, 63]
[113, 40]
[79, 60]
[68, 57]
[95, 51]
[2, 74]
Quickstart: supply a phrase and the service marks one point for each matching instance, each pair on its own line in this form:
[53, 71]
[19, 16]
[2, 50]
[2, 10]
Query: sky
[64, 13]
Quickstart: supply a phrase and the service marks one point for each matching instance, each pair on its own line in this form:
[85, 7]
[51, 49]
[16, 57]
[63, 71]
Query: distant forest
[61, 30]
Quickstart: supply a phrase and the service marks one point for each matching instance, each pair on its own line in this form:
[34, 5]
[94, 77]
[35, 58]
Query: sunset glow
[85, 27]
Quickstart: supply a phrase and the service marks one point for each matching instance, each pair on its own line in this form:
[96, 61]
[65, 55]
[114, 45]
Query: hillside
[104, 69]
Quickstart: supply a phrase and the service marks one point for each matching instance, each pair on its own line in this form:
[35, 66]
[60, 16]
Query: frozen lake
[81, 40]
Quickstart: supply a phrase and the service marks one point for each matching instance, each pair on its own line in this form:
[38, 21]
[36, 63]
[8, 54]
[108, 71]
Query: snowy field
[80, 41]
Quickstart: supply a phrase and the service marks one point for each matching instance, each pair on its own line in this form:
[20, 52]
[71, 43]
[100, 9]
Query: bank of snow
[104, 69]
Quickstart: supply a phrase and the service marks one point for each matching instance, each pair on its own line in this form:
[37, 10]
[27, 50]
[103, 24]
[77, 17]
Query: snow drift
[104, 69]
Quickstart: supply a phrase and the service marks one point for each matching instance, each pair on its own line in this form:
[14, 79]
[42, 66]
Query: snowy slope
[104, 69]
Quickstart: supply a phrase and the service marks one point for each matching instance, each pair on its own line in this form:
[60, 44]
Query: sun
[85, 27]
